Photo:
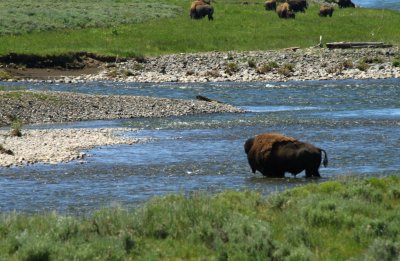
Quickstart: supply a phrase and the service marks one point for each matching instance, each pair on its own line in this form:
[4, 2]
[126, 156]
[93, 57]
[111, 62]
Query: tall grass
[236, 27]
[19, 17]
[336, 220]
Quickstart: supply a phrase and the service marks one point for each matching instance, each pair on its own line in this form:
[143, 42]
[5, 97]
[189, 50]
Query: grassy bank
[154, 31]
[335, 220]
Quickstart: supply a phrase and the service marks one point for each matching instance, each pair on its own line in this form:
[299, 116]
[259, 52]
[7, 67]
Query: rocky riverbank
[277, 65]
[56, 145]
[43, 107]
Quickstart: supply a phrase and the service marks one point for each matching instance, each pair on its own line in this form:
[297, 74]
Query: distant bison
[270, 5]
[283, 11]
[297, 5]
[325, 10]
[273, 154]
[346, 3]
[200, 9]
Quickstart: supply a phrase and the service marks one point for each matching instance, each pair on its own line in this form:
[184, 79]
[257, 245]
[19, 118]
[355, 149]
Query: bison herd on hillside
[284, 8]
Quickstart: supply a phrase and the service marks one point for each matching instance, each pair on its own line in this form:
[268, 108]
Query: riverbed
[356, 121]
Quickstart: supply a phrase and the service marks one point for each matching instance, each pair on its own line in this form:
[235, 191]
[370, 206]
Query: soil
[25, 66]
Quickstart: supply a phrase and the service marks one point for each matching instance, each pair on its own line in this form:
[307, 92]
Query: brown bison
[345, 3]
[273, 154]
[270, 5]
[200, 9]
[297, 5]
[283, 11]
[325, 10]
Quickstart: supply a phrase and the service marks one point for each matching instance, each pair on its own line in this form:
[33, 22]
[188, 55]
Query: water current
[356, 122]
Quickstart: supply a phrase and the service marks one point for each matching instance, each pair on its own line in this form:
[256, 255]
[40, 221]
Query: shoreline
[53, 146]
[291, 64]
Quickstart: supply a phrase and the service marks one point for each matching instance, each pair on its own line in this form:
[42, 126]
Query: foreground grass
[335, 220]
[236, 27]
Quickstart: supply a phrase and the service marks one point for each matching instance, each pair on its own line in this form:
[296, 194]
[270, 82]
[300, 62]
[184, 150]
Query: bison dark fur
[297, 5]
[270, 5]
[200, 9]
[283, 11]
[325, 10]
[346, 3]
[274, 154]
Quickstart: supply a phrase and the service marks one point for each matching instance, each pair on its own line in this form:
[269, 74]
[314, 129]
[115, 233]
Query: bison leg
[312, 173]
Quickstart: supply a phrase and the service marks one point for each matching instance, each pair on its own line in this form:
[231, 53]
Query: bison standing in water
[273, 154]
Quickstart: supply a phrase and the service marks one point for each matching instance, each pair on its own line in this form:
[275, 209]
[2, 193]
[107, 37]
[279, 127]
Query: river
[386, 4]
[356, 121]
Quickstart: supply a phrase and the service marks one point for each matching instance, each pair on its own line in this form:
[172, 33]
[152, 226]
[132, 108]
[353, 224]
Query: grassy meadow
[130, 28]
[342, 219]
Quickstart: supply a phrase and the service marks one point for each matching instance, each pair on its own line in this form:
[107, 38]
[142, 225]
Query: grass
[26, 95]
[336, 220]
[236, 27]
[21, 17]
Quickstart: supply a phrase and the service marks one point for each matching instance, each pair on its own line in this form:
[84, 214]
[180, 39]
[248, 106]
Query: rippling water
[387, 4]
[356, 122]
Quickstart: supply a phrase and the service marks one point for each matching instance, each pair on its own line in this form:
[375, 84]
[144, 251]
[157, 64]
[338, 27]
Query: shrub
[376, 59]
[362, 66]
[16, 126]
[264, 68]
[347, 64]
[213, 73]
[251, 63]
[231, 68]
[284, 71]
[4, 75]
[396, 63]
[383, 250]
[273, 64]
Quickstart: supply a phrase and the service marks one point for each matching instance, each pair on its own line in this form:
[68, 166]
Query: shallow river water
[356, 122]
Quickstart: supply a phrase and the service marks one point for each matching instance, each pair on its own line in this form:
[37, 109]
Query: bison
[325, 10]
[345, 3]
[273, 154]
[200, 9]
[297, 5]
[270, 5]
[283, 11]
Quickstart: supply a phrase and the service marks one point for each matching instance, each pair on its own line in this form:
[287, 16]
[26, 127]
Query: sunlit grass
[236, 27]
[344, 219]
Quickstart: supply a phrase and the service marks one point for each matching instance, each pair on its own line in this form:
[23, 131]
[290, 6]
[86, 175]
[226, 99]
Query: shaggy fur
[325, 10]
[283, 11]
[346, 3]
[297, 5]
[270, 5]
[201, 8]
[273, 154]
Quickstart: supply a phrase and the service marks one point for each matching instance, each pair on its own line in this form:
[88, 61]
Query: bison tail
[325, 161]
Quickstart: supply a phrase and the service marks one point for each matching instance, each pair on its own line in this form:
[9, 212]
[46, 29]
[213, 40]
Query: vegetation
[4, 75]
[336, 220]
[16, 127]
[133, 27]
[21, 17]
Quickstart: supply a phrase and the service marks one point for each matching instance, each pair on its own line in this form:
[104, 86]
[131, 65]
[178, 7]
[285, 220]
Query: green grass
[336, 220]
[236, 27]
[19, 17]
[21, 94]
